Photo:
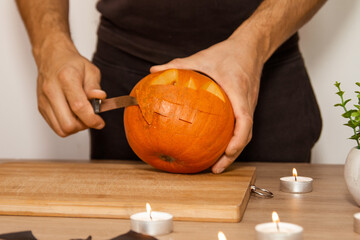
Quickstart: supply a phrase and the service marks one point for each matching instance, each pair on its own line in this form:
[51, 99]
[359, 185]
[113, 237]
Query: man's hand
[65, 82]
[236, 67]
[236, 63]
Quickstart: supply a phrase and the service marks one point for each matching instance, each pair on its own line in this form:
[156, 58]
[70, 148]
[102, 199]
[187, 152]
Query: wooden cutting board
[117, 190]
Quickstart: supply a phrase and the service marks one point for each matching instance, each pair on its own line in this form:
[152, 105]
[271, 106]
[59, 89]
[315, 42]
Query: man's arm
[274, 21]
[236, 63]
[45, 20]
[66, 80]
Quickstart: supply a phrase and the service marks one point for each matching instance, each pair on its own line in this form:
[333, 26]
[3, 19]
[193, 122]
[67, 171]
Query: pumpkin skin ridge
[218, 154]
[198, 163]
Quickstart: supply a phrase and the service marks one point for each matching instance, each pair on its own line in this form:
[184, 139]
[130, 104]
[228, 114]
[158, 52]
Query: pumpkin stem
[167, 158]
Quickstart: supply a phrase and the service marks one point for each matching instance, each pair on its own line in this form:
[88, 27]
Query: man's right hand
[66, 80]
[65, 83]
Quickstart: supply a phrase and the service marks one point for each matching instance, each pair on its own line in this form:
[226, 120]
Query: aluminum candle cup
[159, 224]
[302, 185]
[357, 222]
[287, 231]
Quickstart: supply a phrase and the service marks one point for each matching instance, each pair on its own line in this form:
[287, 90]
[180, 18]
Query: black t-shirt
[161, 30]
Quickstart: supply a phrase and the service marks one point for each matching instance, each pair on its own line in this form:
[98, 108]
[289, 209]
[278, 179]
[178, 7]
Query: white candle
[296, 184]
[277, 230]
[287, 231]
[152, 223]
[357, 222]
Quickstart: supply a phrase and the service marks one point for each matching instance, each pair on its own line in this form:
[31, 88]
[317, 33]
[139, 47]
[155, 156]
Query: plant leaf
[350, 124]
[346, 101]
[357, 83]
[348, 113]
[337, 84]
[340, 93]
[355, 136]
[338, 105]
[355, 114]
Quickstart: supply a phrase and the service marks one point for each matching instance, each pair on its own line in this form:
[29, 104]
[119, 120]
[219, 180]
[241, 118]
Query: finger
[241, 137]
[95, 93]
[55, 91]
[179, 63]
[69, 124]
[92, 83]
[242, 131]
[223, 162]
[49, 116]
[79, 103]
[242, 134]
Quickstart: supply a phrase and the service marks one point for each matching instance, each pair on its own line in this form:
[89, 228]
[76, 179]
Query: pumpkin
[183, 123]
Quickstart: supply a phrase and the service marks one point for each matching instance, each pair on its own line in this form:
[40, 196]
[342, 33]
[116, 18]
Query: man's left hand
[236, 66]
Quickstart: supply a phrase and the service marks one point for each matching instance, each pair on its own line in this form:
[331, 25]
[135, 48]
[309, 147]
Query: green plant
[353, 114]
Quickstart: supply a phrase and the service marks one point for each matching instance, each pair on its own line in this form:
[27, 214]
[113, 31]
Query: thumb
[92, 83]
[179, 63]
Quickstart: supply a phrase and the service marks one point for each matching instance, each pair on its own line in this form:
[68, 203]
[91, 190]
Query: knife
[112, 103]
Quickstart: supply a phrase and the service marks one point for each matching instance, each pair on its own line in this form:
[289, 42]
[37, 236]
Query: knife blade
[112, 103]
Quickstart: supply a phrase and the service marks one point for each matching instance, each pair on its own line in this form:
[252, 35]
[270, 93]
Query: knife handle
[96, 105]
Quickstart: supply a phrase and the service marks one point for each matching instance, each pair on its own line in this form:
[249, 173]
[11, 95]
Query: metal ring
[261, 192]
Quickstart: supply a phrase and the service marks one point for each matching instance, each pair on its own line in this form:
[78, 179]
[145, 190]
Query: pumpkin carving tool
[112, 103]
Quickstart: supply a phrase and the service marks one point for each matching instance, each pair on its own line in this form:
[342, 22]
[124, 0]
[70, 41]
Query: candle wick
[277, 226]
[295, 178]
[150, 216]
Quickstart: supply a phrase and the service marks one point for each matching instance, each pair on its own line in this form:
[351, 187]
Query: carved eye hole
[171, 77]
[213, 88]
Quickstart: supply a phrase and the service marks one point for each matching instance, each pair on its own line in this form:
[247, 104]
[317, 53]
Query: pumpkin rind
[179, 126]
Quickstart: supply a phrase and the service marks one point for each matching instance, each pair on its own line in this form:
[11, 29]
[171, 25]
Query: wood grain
[117, 190]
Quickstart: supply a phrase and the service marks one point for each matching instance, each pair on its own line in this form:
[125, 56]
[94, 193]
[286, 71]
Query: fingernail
[153, 68]
[219, 170]
[97, 90]
[100, 126]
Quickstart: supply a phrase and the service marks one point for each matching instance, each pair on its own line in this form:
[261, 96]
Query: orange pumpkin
[183, 123]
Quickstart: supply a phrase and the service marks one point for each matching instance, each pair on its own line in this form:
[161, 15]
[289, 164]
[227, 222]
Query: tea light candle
[296, 184]
[221, 236]
[357, 222]
[277, 230]
[151, 222]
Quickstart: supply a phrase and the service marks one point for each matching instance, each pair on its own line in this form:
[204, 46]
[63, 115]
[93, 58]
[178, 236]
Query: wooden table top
[325, 213]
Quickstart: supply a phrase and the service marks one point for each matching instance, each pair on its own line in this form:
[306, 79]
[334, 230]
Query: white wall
[330, 43]
[23, 132]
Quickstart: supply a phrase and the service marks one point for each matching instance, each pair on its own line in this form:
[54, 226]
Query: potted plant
[352, 164]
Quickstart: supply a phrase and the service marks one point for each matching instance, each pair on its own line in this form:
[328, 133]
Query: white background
[330, 43]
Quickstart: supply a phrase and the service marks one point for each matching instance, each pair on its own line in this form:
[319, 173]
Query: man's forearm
[274, 21]
[46, 21]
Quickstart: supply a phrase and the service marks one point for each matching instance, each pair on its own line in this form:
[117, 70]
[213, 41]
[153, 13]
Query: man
[239, 43]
